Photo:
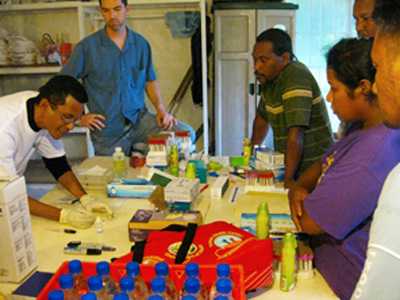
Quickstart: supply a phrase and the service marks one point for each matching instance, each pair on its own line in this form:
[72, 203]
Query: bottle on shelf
[80, 283]
[288, 262]
[66, 282]
[133, 270]
[262, 221]
[96, 287]
[103, 270]
[162, 270]
[56, 295]
[224, 288]
[119, 164]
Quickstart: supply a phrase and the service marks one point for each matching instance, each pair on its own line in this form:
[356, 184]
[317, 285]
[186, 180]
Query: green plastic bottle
[262, 221]
[246, 151]
[173, 160]
[288, 262]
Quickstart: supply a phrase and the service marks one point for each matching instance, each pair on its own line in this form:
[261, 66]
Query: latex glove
[94, 206]
[76, 217]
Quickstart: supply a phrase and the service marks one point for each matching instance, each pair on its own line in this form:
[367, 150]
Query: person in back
[334, 200]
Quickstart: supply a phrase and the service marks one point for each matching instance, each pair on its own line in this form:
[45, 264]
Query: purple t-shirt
[343, 202]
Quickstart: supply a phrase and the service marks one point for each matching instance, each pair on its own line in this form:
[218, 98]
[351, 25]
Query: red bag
[213, 243]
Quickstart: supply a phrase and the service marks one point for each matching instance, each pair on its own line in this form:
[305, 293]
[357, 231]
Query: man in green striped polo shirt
[291, 103]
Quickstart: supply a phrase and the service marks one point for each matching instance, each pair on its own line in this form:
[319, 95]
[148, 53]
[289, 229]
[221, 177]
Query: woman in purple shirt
[335, 198]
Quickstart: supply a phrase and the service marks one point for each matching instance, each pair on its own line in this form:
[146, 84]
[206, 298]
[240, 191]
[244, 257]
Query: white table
[50, 240]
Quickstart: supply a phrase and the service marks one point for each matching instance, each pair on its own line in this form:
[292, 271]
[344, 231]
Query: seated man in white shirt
[379, 279]
[32, 121]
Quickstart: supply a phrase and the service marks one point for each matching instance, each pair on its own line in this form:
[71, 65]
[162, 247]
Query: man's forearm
[154, 93]
[260, 130]
[71, 183]
[294, 152]
[43, 210]
[309, 178]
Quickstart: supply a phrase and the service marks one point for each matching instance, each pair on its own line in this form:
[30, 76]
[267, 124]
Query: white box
[182, 190]
[17, 251]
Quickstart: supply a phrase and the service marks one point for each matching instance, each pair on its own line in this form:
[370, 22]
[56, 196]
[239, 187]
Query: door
[235, 32]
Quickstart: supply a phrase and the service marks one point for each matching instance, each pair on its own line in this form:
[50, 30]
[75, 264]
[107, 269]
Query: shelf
[94, 4]
[16, 70]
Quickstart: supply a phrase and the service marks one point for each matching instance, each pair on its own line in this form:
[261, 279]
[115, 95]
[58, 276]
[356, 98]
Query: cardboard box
[18, 256]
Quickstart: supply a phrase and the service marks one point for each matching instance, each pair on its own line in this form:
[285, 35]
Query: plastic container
[119, 164]
[288, 262]
[162, 270]
[208, 276]
[103, 270]
[95, 284]
[80, 283]
[262, 221]
[133, 271]
[66, 282]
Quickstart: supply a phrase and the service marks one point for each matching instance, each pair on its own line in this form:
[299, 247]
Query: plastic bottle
[158, 288]
[173, 160]
[288, 262]
[262, 221]
[133, 270]
[119, 163]
[89, 296]
[223, 272]
[80, 283]
[162, 270]
[66, 282]
[224, 288]
[192, 288]
[56, 295]
[192, 270]
[123, 296]
[246, 151]
[96, 287]
[155, 297]
[103, 270]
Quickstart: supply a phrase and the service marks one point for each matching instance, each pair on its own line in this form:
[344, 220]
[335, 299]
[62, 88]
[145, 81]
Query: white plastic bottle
[119, 164]
[66, 282]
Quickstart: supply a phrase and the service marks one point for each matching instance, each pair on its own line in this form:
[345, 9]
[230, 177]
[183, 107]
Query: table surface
[50, 239]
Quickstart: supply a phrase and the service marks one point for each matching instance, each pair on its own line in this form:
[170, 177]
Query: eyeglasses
[66, 119]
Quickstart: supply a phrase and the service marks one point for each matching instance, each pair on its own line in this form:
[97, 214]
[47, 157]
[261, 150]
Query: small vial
[99, 225]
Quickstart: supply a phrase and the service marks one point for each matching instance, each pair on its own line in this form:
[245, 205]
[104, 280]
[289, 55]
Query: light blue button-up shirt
[114, 79]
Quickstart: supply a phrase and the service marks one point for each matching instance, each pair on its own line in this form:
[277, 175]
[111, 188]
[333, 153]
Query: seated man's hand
[297, 196]
[165, 120]
[93, 121]
[94, 206]
[77, 217]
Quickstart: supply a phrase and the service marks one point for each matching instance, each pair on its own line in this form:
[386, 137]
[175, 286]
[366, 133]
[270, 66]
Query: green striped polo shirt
[293, 99]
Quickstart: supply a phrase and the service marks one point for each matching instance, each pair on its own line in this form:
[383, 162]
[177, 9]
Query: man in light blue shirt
[115, 65]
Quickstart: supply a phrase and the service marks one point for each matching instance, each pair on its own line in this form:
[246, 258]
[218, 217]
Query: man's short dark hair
[279, 39]
[387, 16]
[59, 87]
[124, 2]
